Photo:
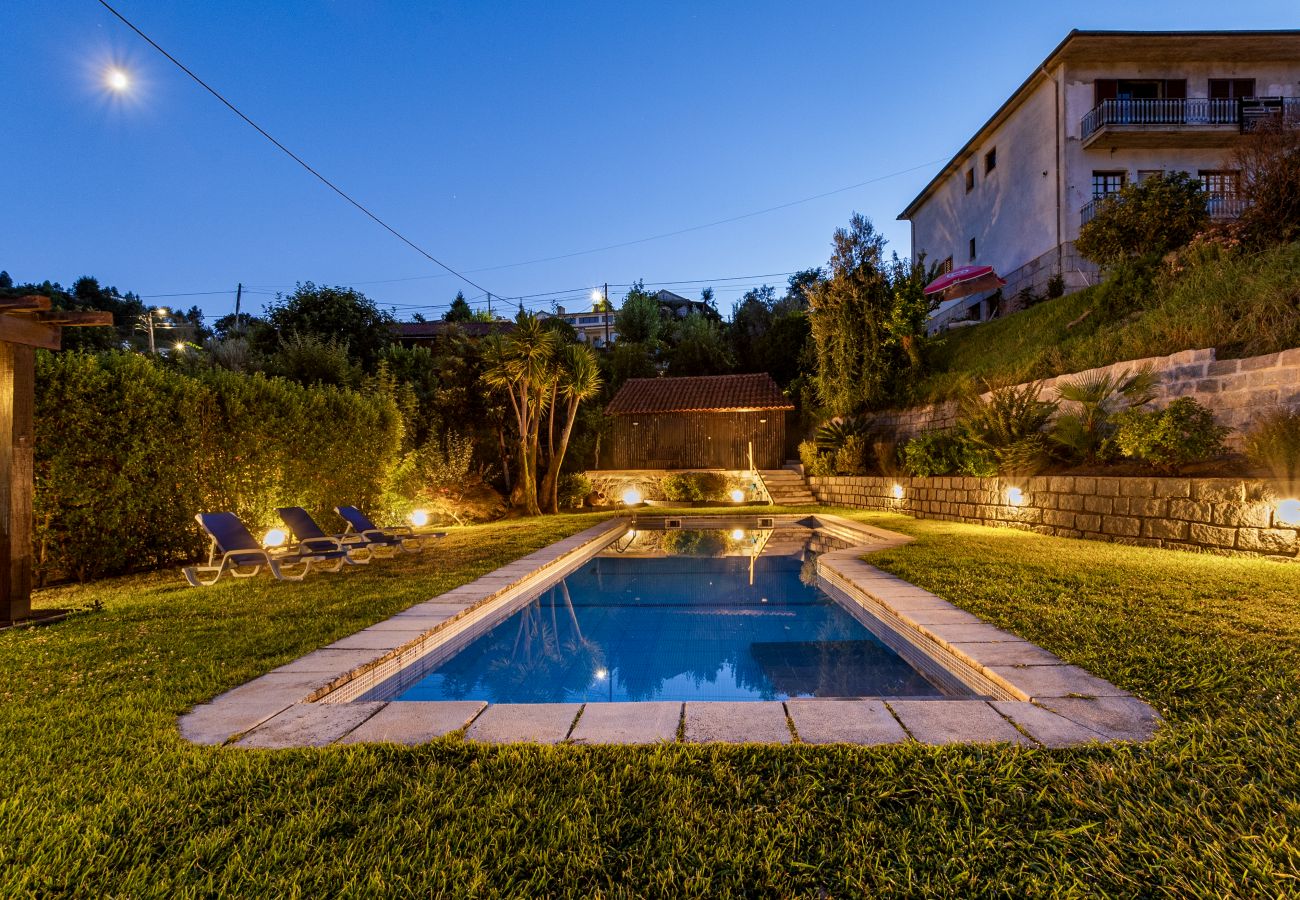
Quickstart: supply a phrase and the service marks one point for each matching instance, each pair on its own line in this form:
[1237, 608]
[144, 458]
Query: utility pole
[489, 293]
[239, 295]
[606, 304]
[149, 321]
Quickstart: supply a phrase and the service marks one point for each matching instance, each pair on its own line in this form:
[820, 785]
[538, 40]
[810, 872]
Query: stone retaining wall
[1237, 390]
[1220, 515]
[609, 485]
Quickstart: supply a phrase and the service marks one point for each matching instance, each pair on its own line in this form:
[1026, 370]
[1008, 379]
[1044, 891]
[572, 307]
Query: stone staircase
[787, 487]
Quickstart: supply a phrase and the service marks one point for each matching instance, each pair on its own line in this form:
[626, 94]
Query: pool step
[787, 488]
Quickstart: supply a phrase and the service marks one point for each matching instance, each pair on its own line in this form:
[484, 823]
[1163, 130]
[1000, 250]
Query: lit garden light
[738, 534]
[897, 492]
[419, 518]
[1015, 496]
[632, 497]
[180, 347]
[737, 496]
[275, 538]
[1288, 512]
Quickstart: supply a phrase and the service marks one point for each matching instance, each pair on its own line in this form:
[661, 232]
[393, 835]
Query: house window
[1106, 184]
[1144, 174]
[970, 179]
[990, 160]
[1231, 88]
[1221, 184]
[972, 249]
[945, 267]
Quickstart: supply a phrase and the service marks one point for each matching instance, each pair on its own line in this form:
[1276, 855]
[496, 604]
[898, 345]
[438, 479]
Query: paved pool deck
[1027, 696]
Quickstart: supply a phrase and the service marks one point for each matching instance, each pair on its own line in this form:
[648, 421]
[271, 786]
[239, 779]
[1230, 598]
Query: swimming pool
[676, 615]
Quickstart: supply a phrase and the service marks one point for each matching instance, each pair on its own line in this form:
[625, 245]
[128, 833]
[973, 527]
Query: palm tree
[522, 366]
[577, 379]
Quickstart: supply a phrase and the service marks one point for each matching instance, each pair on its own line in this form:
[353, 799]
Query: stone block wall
[1220, 515]
[1238, 391]
[609, 485]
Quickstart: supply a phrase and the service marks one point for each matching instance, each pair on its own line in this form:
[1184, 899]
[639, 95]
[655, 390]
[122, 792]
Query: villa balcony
[1194, 122]
[1223, 206]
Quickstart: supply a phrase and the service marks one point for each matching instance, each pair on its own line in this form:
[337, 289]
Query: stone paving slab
[1041, 682]
[938, 616]
[414, 722]
[246, 706]
[956, 722]
[1007, 653]
[844, 722]
[628, 723]
[412, 623]
[539, 723]
[377, 639]
[1117, 718]
[326, 661]
[1048, 728]
[308, 725]
[737, 722]
[965, 634]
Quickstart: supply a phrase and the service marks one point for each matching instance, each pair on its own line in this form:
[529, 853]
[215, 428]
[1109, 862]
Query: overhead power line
[295, 157]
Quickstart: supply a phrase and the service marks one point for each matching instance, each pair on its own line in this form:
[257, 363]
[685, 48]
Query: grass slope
[1243, 306]
[102, 798]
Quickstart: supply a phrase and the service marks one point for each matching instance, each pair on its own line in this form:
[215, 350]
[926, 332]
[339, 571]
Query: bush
[573, 489]
[1086, 429]
[1167, 440]
[851, 457]
[1146, 218]
[1009, 425]
[1274, 444]
[128, 451]
[815, 463]
[694, 486]
[432, 477]
[947, 452]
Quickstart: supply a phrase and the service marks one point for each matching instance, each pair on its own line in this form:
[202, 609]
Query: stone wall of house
[608, 486]
[1220, 515]
[1237, 390]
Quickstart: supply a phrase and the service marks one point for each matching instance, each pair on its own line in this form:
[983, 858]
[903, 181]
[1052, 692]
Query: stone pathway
[1024, 695]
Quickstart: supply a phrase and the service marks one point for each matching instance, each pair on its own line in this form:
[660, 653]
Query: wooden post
[17, 400]
[25, 324]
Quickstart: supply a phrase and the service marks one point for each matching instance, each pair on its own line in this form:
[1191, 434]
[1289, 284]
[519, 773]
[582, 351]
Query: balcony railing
[1197, 111]
[1221, 206]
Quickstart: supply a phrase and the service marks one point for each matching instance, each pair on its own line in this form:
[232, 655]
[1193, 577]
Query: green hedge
[127, 451]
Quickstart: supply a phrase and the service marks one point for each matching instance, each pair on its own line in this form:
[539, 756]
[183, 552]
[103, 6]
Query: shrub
[815, 463]
[1269, 160]
[1086, 430]
[1148, 217]
[574, 488]
[694, 486]
[886, 454]
[830, 436]
[1182, 433]
[432, 477]
[128, 451]
[946, 452]
[1274, 444]
[851, 458]
[1009, 425]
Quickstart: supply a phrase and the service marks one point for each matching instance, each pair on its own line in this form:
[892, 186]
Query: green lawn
[101, 797]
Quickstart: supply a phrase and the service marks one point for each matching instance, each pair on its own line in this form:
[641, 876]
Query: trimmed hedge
[127, 451]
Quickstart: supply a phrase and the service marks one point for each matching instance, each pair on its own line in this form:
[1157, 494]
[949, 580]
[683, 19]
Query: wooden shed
[706, 422]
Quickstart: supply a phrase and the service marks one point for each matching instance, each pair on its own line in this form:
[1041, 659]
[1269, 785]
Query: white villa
[1104, 108]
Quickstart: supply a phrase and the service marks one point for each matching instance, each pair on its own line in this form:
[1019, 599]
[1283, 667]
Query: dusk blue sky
[497, 133]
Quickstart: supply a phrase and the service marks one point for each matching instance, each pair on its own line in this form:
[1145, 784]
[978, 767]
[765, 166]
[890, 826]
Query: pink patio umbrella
[964, 281]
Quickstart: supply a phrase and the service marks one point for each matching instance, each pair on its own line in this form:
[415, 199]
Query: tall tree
[460, 310]
[577, 379]
[700, 347]
[751, 319]
[336, 314]
[521, 365]
[639, 320]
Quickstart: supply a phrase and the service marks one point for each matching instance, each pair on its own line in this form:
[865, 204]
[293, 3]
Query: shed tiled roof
[705, 393]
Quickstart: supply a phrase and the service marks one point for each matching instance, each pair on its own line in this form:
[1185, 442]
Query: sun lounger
[234, 549]
[399, 537]
[312, 540]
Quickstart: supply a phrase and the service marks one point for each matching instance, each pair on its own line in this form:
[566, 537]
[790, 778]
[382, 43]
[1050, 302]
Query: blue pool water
[684, 627]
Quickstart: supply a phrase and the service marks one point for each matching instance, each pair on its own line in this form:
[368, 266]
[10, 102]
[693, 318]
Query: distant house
[704, 422]
[679, 307]
[594, 327]
[1105, 108]
[423, 334]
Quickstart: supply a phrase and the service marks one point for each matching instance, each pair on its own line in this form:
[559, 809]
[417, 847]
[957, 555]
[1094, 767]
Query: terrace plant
[1147, 218]
[1170, 439]
[1009, 426]
[1274, 444]
[1086, 430]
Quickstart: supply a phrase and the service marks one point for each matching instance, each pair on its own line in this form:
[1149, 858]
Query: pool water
[635, 625]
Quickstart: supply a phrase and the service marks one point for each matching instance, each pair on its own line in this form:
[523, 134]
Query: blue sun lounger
[313, 541]
[234, 549]
[400, 537]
